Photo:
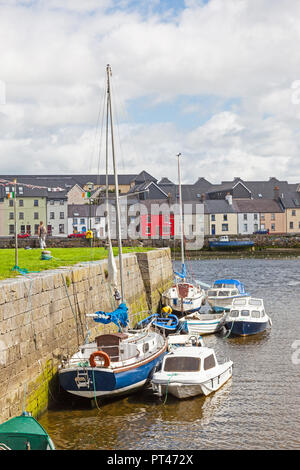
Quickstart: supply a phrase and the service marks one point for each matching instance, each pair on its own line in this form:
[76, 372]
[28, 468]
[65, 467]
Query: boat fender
[101, 354]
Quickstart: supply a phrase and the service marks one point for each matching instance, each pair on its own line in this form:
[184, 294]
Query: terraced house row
[75, 203]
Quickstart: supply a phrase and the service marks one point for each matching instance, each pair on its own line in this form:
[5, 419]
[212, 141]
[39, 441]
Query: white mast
[180, 212]
[119, 235]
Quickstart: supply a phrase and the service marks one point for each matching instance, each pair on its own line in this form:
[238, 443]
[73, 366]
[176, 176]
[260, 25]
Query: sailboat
[115, 363]
[183, 297]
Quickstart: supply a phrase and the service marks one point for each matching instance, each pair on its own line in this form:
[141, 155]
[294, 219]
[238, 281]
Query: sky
[217, 81]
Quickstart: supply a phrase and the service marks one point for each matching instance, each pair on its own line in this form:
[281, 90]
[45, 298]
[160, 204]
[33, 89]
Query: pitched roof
[218, 206]
[256, 205]
[290, 200]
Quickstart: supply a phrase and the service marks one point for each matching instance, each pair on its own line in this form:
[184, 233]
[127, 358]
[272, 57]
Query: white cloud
[53, 58]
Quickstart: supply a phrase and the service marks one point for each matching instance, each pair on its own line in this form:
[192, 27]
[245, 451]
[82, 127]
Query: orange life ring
[101, 354]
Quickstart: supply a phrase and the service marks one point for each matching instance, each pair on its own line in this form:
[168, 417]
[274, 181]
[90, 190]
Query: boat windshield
[239, 301]
[255, 314]
[182, 364]
[234, 313]
[212, 293]
[234, 292]
[255, 302]
[224, 293]
[245, 313]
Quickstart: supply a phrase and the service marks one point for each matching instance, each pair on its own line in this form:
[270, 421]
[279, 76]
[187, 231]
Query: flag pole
[15, 217]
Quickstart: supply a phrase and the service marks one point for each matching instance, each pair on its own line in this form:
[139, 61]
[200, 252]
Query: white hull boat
[190, 371]
[191, 301]
[203, 323]
[224, 292]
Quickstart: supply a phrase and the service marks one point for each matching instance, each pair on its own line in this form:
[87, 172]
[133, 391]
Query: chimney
[228, 198]
[276, 193]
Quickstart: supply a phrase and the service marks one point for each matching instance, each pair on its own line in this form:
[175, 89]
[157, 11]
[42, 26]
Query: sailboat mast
[180, 211]
[119, 235]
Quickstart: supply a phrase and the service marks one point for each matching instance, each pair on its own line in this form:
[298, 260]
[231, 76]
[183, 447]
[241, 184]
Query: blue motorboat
[247, 317]
[223, 292]
[224, 242]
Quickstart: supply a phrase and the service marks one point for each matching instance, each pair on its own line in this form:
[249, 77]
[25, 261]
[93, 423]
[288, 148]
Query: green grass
[31, 259]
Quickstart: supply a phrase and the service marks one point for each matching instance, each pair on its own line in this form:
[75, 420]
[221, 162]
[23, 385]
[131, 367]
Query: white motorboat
[223, 292]
[247, 317]
[203, 323]
[190, 371]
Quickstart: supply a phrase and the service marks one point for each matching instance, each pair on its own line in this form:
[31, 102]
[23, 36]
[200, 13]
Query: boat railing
[4, 446]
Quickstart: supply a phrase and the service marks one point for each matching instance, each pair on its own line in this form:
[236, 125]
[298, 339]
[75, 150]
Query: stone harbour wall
[43, 319]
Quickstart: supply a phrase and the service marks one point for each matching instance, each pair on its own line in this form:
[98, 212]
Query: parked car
[77, 235]
[23, 235]
[262, 232]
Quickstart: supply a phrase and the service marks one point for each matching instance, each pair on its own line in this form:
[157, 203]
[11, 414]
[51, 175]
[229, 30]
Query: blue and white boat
[247, 317]
[114, 364]
[167, 324]
[202, 323]
[224, 242]
[223, 292]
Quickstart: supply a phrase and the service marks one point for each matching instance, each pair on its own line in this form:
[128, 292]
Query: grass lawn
[30, 259]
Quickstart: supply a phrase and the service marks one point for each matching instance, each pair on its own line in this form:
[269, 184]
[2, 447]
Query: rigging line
[116, 119]
[101, 134]
[96, 130]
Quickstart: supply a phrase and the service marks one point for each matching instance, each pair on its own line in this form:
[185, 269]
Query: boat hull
[183, 390]
[245, 328]
[205, 326]
[232, 244]
[106, 382]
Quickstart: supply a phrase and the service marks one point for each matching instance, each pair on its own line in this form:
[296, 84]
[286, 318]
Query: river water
[259, 408]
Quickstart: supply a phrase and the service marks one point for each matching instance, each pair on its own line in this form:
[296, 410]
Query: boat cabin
[189, 359]
[226, 288]
[247, 307]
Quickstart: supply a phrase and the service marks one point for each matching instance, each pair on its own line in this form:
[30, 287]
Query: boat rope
[23, 271]
[172, 375]
[229, 331]
[95, 397]
[74, 314]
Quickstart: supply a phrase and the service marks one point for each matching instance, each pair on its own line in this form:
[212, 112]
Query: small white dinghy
[203, 323]
[178, 340]
[190, 371]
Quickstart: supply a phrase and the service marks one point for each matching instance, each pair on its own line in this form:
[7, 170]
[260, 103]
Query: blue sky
[215, 80]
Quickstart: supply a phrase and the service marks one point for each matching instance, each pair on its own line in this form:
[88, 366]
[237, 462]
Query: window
[272, 226]
[212, 293]
[223, 293]
[97, 220]
[255, 216]
[21, 202]
[272, 216]
[52, 202]
[61, 202]
[36, 202]
[61, 228]
[20, 189]
[21, 215]
[36, 228]
[262, 216]
[224, 227]
[291, 224]
[245, 313]
[11, 215]
[293, 212]
[75, 221]
[255, 227]
[36, 215]
[245, 227]
[11, 202]
[51, 215]
[148, 230]
[255, 314]
[182, 364]
[7, 189]
[22, 229]
[209, 362]
[82, 221]
[245, 216]
[225, 217]
[11, 229]
[234, 313]
[61, 215]
[213, 217]
[145, 347]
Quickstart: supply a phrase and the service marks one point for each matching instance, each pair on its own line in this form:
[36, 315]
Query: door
[213, 229]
